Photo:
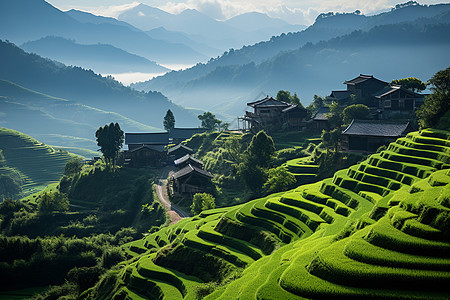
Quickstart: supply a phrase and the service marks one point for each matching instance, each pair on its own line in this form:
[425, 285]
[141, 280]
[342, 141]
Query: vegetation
[209, 121]
[355, 111]
[110, 139]
[410, 83]
[288, 98]
[201, 202]
[169, 120]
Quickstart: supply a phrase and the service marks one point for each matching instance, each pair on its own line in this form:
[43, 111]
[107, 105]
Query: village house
[384, 100]
[188, 159]
[369, 135]
[191, 180]
[319, 121]
[272, 115]
[178, 152]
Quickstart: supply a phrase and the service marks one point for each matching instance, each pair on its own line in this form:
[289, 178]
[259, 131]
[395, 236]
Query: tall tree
[288, 98]
[169, 121]
[355, 111]
[261, 149]
[410, 83]
[209, 121]
[110, 139]
[438, 103]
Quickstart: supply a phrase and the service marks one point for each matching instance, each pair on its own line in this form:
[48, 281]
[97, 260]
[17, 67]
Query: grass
[379, 229]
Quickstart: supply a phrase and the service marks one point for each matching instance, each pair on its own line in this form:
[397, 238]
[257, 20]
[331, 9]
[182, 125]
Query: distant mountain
[418, 48]
[40, 19]
[100, 58]
[85, 17]
[86, 88]
[242, 30]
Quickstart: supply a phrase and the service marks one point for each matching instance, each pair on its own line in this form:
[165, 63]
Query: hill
[100, 58]
[37, 164]
[40, 19]
[301, 63]
[378, 229]
[87, 88]
[57, 121]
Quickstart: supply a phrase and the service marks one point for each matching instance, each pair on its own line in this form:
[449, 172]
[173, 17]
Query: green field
[38, 164]
[379, 229]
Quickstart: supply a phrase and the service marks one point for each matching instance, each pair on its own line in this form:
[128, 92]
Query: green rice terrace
[380, 229]
[36, 164]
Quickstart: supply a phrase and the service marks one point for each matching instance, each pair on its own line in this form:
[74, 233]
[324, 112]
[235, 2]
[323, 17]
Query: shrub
[52, 201]
[73, 166]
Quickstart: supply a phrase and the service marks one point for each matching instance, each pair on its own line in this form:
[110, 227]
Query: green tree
[201, 202]
[260, 150]
[73, 166]
[279, 179]
[336, 116]
[410, 83]
[288, 98]
[169, 121]
[355, 111]
[209, 121]
[331, 139]
[49, 202]
[438, 103]
[110, 139]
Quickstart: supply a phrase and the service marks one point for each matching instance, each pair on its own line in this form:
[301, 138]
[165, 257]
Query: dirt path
[175, 212]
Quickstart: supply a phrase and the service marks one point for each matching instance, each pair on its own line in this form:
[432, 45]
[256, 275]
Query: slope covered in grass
[38, 164]
[379, 229]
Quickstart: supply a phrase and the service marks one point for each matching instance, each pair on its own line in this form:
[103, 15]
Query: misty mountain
[85, 17]
[241, 30]
[393, 51]
[100, 58]
[29, 20]
[57, 121]
[87, 88]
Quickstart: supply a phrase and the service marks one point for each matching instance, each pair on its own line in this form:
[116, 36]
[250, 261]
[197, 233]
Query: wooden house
[177, 135]
[188, 160]
[145, 156]
[191, 180]
[178, 152]
[319, 121]
[369, 135]
[365, 86]
[271, 115]
[396, 100]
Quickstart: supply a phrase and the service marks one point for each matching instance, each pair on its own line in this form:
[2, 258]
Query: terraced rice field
[379, 229]
[40, 164]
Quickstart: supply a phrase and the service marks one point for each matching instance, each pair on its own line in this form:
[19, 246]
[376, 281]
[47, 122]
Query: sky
[293, 11]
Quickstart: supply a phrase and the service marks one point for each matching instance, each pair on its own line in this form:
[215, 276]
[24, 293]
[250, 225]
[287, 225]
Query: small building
[365, 85]
[369, 135]
[145, 156]
[396, 100]
[178, 152]
[319, 121]
[191, 180]
[136, 140]
[177, 135]
[271, 114]
[188, 160]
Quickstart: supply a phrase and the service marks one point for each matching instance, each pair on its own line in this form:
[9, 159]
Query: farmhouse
[270, 114]
[396, 100]
[178, 152]
[369, 135]
[191, 180]
[188, 159]
[145, 156]
[320, 120]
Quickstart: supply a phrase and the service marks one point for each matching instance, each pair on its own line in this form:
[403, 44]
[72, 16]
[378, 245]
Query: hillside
[100, 58]
[38, 164]
[87, 88]
[378, 229]
[311, 57]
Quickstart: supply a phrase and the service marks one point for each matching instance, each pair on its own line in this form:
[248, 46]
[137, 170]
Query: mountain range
[335, 48]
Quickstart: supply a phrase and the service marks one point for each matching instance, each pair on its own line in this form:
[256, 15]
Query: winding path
[174, 211]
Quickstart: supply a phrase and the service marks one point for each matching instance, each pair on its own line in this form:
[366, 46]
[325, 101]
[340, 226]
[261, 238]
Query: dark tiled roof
[186, 158]
[161, 138]
[391, 89]
[293, 107]
[159, 148]
[185, 133]
[377, 128]
[321, 114]
[179, 146]
[362, 78]
[268, 102]
[191, 169]
[340, 95]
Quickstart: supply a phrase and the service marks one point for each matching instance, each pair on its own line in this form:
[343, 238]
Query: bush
[52, 201]
[73, 166]
[202, 201]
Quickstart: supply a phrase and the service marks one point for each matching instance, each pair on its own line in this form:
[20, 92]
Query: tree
[209, 121]
[110, 139]
[288, 98]
[438, 103]
[410, 83]
[73, 166]
[355, 111]
[278, 180]
[52, 201]
[331, 139]
[260, 150]
[169, 121]
[201, 202]
[335, 117]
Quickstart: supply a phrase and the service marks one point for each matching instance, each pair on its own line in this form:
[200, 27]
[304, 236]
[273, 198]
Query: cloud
[108, 11]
